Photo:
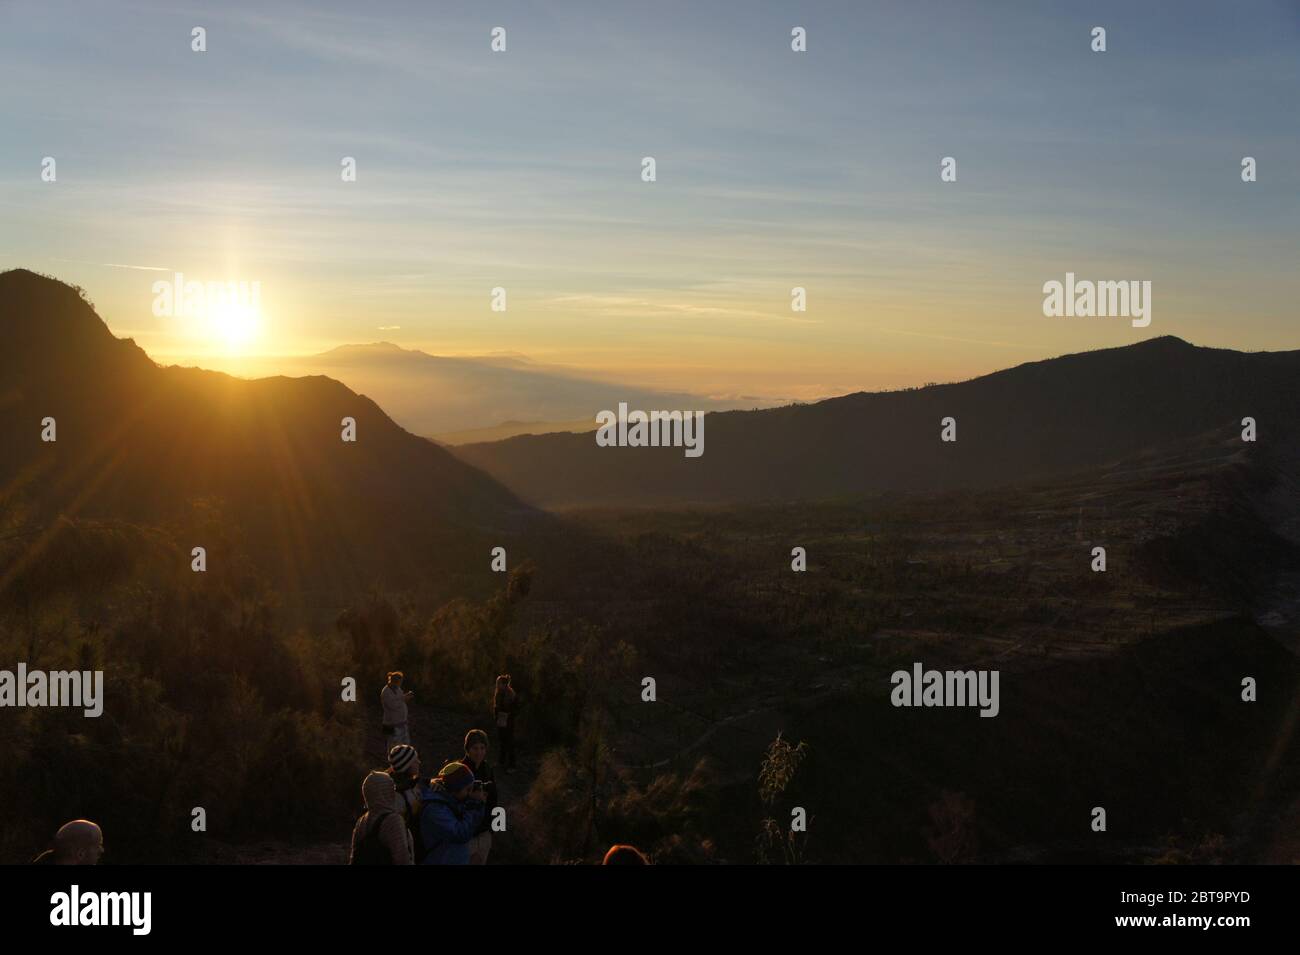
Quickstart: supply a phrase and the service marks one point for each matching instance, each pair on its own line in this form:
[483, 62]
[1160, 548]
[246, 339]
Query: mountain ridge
[438, 396]
[138, 441]
[1033, 420]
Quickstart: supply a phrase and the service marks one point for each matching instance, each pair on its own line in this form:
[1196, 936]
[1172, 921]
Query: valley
[1118, 688]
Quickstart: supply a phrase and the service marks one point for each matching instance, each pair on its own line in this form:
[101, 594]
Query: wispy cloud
[142, 268]
[967, 341]
[626, 305]
[114, 265]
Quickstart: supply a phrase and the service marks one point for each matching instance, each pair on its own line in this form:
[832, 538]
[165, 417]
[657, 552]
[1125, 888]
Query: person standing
[476, 747]
[505, 701]
[395, 721]
[404, 767]
[380, 836]
[453, 808]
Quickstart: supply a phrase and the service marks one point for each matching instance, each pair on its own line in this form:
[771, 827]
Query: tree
[776, 843]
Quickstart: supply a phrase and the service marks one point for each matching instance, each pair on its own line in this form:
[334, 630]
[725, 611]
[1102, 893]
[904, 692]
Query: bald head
[79, 842]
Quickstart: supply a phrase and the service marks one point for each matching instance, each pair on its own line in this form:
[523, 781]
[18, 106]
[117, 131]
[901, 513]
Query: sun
[237, 324]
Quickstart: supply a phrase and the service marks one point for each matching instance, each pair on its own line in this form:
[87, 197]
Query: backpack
[413, 827]
[369, 850]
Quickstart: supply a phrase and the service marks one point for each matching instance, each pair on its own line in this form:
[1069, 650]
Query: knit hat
[401, 756]
[455, 777]
[378, 792]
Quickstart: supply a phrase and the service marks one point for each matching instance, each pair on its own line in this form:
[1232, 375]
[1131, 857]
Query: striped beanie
[455, 777]
[401, 756]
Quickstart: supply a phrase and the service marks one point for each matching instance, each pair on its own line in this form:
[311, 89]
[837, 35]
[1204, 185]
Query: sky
[522, 170]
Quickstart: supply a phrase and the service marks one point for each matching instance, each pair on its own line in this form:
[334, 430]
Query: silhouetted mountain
[1035, 420]
[143, 443]
[452, 398]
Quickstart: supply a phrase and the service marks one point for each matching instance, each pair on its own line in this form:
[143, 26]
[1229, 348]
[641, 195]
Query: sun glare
[237, 324]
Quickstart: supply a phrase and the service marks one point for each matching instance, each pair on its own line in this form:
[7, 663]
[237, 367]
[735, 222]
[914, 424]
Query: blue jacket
[447, 826]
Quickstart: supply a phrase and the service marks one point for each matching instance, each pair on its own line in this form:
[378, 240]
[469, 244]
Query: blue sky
[775, 169]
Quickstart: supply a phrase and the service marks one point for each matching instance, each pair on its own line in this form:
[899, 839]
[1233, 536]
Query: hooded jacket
[379, 794]
[447, 825]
